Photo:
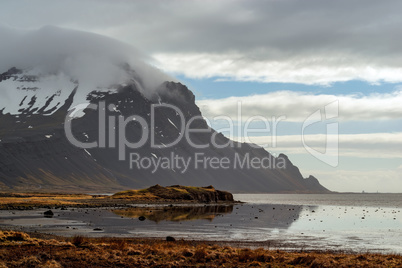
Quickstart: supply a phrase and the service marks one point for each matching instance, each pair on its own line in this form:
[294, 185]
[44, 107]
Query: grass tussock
[79, 240]
[21, 250]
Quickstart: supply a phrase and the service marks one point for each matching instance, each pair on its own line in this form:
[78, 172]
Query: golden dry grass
[37, 200]
[154, 194]
[21, 250]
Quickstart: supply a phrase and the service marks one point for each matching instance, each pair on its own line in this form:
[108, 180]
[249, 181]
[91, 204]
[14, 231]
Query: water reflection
[175, 213]
[320, 224]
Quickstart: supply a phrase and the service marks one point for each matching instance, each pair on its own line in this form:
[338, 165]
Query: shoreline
[85, 215]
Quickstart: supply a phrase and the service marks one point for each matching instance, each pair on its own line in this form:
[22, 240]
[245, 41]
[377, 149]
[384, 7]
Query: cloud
[297, 107]
[374, 145]
[285, 41]
[59, 55]
[305, 69]
[87, 57]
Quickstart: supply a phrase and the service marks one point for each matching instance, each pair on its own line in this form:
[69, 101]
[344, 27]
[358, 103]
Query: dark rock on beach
[170, 239]
[48, 214]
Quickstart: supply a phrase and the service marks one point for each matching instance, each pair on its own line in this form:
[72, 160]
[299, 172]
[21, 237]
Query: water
[360, 200]
[342, 222]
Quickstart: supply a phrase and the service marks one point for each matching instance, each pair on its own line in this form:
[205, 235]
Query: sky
[327, 73]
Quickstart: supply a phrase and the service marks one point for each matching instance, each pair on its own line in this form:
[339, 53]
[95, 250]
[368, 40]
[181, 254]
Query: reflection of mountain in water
[175, 213]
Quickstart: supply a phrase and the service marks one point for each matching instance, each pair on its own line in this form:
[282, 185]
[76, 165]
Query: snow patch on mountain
[27, 93]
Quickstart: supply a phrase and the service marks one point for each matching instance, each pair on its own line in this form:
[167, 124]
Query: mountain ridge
[36, 154]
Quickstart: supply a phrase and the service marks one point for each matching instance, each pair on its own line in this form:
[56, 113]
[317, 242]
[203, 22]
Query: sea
[358, 223]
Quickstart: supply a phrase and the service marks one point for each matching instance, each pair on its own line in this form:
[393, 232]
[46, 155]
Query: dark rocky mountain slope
[35, 154]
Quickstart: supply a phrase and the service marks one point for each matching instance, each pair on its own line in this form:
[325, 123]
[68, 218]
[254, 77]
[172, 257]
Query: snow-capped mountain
[116, 103]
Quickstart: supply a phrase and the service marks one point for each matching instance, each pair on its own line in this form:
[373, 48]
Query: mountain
[61, 132]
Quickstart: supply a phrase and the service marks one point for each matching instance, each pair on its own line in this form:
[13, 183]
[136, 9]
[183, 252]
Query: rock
[48, 214]
[170, 239]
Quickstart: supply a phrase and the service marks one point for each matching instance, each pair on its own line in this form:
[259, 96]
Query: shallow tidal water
[341, 222]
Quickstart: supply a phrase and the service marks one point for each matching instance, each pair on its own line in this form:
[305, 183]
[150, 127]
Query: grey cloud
[303, 34]
[94, 60]
[261, 28]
